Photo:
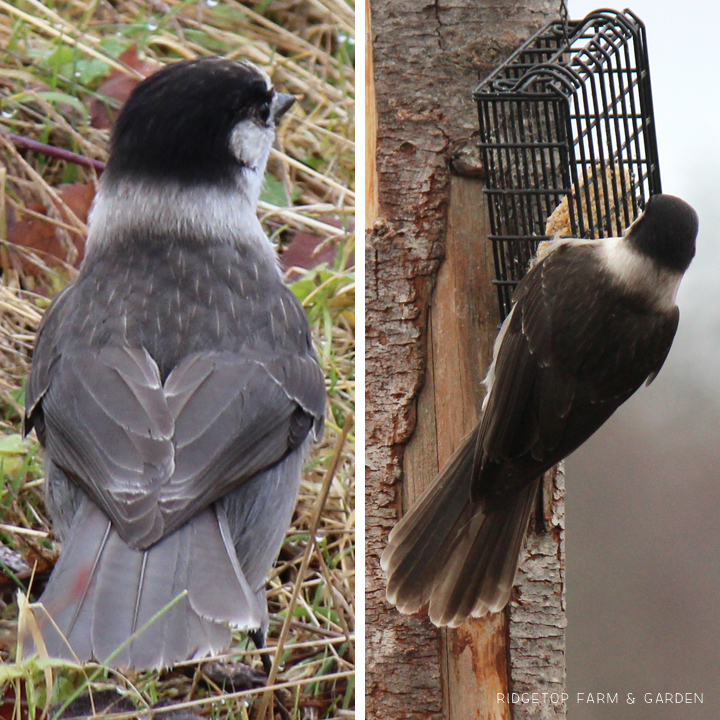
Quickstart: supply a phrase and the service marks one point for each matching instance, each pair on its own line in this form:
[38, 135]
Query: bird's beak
[283, 102]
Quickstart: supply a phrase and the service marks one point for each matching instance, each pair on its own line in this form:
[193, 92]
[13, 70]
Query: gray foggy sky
[643, 524]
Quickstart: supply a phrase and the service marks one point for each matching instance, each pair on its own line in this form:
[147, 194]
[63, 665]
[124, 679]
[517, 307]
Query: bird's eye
[264, 110]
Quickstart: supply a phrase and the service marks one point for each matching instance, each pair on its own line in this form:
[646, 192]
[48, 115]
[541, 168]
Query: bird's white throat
[250, 143]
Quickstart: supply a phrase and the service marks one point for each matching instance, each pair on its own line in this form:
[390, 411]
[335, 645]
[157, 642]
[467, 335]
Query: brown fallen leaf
[307, 251]
[42, 236]
[301, 252]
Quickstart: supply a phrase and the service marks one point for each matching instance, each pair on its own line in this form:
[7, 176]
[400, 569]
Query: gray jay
[174, 384]
[591, 322]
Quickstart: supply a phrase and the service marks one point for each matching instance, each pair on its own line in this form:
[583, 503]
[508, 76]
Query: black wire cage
[568, 139]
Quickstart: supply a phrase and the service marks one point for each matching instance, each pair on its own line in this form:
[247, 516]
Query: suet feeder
[568, 138]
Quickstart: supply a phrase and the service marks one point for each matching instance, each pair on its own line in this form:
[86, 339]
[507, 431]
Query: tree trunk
[433, 327]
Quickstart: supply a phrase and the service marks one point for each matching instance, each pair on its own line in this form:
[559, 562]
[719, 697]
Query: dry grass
[57, 56]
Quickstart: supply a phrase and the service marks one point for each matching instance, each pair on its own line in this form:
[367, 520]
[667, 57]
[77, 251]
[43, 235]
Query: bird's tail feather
[102, 591]
[457, 555]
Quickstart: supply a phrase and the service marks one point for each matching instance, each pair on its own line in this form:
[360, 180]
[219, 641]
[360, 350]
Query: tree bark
[427, 59]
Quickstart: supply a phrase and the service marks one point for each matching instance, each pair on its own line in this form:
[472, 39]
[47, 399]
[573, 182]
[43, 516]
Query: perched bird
[174, 385]
[591, 322]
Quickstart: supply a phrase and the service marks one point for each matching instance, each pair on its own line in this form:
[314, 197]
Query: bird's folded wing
[233, 418]
[530, 395]
[109, 427]
[151, 454]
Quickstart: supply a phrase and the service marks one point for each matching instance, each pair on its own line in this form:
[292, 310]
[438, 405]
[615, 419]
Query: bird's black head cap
[177, 124]
[666, 232]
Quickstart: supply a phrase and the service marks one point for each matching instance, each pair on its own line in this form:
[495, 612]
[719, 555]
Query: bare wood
[426, 62]
[462, 323]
